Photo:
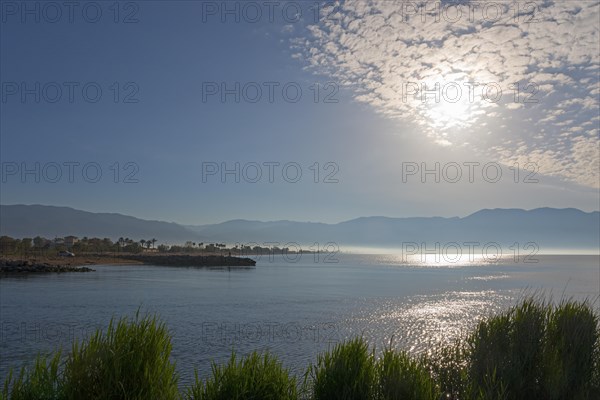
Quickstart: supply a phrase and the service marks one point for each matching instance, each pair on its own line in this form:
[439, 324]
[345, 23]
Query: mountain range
[549, 228]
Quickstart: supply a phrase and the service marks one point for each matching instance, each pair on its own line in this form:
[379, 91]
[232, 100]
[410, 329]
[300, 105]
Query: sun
[448, 103]
[449, 110]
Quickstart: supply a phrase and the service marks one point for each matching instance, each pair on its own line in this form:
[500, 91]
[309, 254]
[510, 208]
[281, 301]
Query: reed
[346, 372]
[400, 376]
[253, 377]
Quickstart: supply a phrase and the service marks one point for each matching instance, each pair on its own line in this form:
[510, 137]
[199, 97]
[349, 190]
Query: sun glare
[447, 102]
[450, 110]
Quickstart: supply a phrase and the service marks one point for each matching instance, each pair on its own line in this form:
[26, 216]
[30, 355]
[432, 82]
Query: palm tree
[143, 242]
[153, 241]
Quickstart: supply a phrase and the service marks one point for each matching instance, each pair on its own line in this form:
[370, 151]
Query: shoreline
[82, 263]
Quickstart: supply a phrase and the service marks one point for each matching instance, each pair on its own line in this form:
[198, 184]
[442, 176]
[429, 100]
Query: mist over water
[295, 309]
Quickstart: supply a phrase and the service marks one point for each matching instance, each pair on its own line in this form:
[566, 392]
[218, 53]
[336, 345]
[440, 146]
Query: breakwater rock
[8, 266]
[186, 260]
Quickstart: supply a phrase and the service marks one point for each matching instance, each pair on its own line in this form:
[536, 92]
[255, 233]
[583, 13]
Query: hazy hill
[548, 227]
[50, 222]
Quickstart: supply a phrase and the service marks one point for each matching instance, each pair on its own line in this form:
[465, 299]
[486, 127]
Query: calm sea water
[294, 309]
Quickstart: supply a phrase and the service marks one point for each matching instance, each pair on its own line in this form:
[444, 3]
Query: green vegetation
[129, 361]
[254, 377]
[571, 356]
[403, 377]
[40, 246]
[505, 353]
[42, 381]
[346, 372]
[534, 350]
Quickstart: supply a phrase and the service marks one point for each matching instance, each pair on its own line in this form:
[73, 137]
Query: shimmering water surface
[295, 309]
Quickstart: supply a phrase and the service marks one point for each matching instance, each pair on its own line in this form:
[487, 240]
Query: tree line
[44, 246]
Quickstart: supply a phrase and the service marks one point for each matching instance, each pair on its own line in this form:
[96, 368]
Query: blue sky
[369, 53]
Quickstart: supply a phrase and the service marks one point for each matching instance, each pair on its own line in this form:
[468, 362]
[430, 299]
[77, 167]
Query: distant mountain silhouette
[549, 228]
[50, 222]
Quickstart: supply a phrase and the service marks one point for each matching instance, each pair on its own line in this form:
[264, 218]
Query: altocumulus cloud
[391, 54]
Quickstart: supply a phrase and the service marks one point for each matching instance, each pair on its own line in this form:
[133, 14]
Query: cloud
[527, 71]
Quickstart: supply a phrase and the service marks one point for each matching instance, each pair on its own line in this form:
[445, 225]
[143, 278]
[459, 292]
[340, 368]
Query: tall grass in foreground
[129, 361]
[347, 372]
[350, 371]
[42, 381]
[253, 377]
[448, 365]
[572, 362]
[401, 377]
[505, 353]
[532, 351]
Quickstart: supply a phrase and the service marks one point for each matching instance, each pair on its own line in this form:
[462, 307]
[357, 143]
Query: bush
[254, 377]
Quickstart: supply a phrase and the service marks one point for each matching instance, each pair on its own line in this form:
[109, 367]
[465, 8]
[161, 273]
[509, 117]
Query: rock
[25, 266]
[194, 261]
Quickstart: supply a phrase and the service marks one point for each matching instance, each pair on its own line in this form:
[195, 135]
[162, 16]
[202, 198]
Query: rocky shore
[187, 260]
[80, 263]
[9, 266]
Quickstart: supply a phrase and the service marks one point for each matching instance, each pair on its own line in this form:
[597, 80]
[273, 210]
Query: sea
[294, 306]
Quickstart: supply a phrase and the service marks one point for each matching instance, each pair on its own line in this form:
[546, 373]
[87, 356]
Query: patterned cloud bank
[516, 81]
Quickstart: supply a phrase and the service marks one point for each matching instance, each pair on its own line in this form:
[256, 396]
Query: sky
[205, 111]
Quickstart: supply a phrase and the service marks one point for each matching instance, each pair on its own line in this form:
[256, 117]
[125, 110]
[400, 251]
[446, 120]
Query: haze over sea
[295, 309]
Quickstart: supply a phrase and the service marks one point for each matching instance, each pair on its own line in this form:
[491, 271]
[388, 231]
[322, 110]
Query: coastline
[82, 263]
[17, 266]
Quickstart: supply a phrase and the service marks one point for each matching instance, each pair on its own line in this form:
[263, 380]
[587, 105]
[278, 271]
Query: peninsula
[81, 263]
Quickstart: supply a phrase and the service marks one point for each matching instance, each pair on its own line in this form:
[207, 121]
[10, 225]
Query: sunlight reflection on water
[443, 260]
[421, 322]
[293, 310]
